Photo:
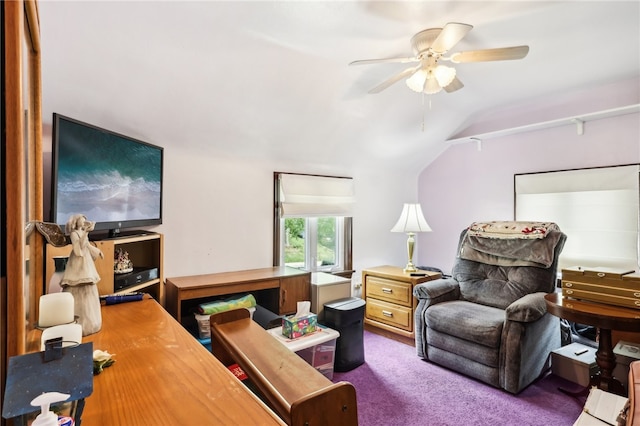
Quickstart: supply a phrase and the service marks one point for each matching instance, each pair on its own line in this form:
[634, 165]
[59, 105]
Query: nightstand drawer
[388, 290]
[387, 313]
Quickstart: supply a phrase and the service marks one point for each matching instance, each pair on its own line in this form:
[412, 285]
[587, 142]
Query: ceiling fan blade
[385, 60]
[450, 35]
[499, 54]
[406, 73]
[456, 84]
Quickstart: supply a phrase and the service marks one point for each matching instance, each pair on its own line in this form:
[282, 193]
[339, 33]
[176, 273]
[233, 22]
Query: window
[313, 243]
[312, 223]
[598, 209]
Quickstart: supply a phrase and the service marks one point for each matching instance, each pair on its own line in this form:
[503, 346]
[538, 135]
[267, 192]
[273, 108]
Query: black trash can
[346, 316]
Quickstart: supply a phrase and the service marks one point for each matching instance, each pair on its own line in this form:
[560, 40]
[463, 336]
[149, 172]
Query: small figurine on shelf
[121, 262]
[80, 276]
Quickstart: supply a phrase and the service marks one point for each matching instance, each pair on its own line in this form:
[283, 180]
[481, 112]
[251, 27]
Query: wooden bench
[295, 390]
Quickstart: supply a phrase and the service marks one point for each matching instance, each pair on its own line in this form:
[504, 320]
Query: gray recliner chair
[489, 320]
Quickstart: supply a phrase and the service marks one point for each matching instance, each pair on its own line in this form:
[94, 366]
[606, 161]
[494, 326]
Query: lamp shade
[431, 86]
[411, 220]
[444, 75]
[417, 80]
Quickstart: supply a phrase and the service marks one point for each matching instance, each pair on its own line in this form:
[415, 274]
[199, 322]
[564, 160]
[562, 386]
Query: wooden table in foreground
[164, 376]
[605, 318]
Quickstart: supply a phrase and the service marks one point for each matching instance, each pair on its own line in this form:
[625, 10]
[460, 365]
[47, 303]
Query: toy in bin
[303, 322]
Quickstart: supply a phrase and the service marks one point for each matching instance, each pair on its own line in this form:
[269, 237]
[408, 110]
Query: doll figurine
[80, 276]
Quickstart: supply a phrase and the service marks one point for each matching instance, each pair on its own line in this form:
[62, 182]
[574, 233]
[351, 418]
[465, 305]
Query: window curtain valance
[315, 196]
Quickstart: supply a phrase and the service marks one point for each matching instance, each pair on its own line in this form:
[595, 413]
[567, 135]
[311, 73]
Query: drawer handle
[387, 290]
[387, 314]
[568, 284]
[636, 294]
[601, 274]
[637, 302]
[569, 291]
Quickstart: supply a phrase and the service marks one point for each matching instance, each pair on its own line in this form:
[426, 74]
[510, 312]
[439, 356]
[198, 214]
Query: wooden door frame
[22, 179]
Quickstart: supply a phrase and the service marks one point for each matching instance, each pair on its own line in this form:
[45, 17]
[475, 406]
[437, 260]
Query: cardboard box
[575, 362]
[318, 348]
[626, 352]
[294, 327]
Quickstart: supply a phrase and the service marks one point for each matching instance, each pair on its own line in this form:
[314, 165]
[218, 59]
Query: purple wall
[464, 184]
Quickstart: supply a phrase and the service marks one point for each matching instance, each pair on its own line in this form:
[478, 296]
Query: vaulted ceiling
[270, 79]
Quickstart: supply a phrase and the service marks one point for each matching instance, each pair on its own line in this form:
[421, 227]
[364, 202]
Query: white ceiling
[270, 79]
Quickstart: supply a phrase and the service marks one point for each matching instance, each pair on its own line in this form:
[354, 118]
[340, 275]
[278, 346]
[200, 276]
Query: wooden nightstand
[388, 291]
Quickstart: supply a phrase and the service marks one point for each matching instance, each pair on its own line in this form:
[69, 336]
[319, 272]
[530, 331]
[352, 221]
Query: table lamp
[411, 221]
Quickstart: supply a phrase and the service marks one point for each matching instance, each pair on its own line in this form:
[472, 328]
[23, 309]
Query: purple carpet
[396, 387]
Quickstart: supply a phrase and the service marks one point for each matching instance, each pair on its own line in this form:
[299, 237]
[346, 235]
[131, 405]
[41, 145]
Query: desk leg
[606, 360]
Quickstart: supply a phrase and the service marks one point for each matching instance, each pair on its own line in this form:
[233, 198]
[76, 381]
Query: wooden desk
[293, 285]
[163, 376]
[605, 318]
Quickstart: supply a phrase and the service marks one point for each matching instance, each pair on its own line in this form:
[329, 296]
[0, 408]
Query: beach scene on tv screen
[106, 177]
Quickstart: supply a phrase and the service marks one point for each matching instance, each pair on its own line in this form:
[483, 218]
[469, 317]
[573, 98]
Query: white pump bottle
[44, 401]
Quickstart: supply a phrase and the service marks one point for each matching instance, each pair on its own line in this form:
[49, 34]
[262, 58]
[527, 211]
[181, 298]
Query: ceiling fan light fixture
[444, 75]
[429, 47]
[432, 85]
[416, 81]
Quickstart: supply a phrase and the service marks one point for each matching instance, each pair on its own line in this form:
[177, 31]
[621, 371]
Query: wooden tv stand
[288, 285]
[145, 250]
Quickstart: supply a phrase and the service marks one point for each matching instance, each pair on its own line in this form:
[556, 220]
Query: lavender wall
[465, 185]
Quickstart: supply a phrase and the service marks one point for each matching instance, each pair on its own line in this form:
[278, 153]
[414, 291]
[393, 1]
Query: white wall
[465, 185]
[380, 197]
[218, 210]
[218, 213]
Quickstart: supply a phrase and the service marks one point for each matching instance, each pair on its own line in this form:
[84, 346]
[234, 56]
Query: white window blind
[598, 209]
[315, 196]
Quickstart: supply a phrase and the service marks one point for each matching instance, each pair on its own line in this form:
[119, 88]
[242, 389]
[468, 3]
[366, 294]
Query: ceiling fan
[429, 47]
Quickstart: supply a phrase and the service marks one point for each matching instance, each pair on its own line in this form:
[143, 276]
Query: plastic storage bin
[318, 348]
[575, 362]
[626, 353]
[204, 328]
[347, 317]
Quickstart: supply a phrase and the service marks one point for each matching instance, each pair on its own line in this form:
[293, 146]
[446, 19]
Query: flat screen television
[114, 180]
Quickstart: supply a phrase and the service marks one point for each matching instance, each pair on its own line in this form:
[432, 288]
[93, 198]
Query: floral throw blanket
[512, 229]
[511, 243]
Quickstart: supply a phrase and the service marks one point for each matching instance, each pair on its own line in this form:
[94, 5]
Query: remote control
[113, 299]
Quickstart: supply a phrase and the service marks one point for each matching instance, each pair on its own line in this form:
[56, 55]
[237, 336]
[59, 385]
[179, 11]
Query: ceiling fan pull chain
[424, 111]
